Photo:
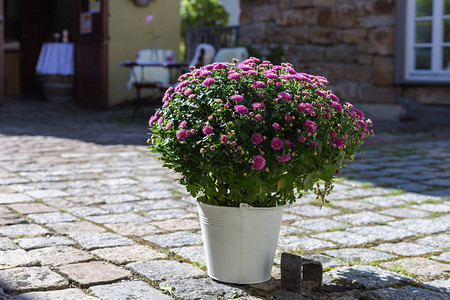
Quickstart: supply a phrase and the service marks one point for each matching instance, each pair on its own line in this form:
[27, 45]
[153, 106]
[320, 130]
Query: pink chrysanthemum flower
[258, 162]
[283, 158]
[224, 138]
[276, 144]
[284, 96]
[305, 107]
[237, 98]
[181, 134]
[276, 126]
[241, 109]
[259, 118]
[320, 93]
[310, 126]
[152, 120]
[256, 139]
[287, 117]
[257, 105]
[258, 84]
[333, 133]
[234, 76]
[208, 81]
[337, 106]
[168, 125]
[301, 139]
[182, 124]
[208, 130]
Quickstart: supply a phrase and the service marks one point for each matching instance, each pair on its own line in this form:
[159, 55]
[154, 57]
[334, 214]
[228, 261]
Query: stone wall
[350, 42]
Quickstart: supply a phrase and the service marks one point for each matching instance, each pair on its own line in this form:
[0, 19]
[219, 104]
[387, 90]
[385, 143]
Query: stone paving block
[193, 253]
[30, 208]
[16, 258]
[84, 211]
[441, 241]
[7, 217]
[130, 229]
[353, 204]
[27, 279]
[163, 204]
[343, 237]
[177, 213]
[41, 242]
[60, 255]
[157, 270]
[415, 197]
[438, 181]
[203, 288]
[67, 294]
[114, 199]
[92, 241]
[428, 226]
[359, 255]
[406, 249]
[404, 212]
[8, 198]
[291, 230]
[319, 224]
[93, 273]
[440, 193]
[40, 194]
[419, 266]
[434, 207]
[7, 244]
[382, 232]
[127, 290]
[442, 285]
[368, 276]
[312, 210]
[23, 230]
[53, 217]
[442, 257]
[290, 217]
[326, 261]
[176, 239]
[405, 292]
[119, 218]
[76, 228]
[122, 208]
[384, 201]
[157, 195]
[117, 181]
[302, 243]
[364, 218]
[127, 254]
[177, 224]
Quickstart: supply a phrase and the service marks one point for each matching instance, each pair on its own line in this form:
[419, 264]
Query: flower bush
[256, 133]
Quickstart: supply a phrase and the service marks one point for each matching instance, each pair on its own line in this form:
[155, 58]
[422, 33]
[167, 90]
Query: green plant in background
[202, 13]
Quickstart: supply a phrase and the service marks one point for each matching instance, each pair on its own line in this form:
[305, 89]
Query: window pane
[447, 7]
[446, 58]
[424, 8]
[423, 58]
[423, 31]
[447, 30]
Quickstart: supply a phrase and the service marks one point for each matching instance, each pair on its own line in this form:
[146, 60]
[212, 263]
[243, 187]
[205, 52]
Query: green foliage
[206, 131]
[202, 13]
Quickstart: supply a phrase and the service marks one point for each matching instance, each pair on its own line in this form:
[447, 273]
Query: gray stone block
[291, 272]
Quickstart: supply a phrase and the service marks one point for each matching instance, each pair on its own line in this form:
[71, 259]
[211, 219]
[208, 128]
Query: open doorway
[28, 25]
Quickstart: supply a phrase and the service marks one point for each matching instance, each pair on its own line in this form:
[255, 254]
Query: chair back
[153, 74]
[227, 54]
[204, 54]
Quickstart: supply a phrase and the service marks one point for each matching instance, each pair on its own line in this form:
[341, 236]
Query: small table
[174, 68]
[56, 59]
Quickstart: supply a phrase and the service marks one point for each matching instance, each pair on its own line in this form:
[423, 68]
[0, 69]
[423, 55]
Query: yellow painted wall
[127, 32]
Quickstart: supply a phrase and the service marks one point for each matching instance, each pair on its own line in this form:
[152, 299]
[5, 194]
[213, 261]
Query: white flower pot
[240, 242]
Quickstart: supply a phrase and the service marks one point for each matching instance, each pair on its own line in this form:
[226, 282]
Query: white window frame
[436, 74]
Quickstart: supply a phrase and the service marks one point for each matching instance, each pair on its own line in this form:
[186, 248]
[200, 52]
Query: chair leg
[138, 103]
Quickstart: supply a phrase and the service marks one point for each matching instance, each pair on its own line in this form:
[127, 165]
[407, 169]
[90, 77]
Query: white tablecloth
[55, 58]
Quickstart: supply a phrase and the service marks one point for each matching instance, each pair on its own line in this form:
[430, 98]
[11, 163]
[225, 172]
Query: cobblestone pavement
[87, 213]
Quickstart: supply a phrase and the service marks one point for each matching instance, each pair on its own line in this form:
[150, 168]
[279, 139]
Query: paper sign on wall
[94, 6]
[86, 23]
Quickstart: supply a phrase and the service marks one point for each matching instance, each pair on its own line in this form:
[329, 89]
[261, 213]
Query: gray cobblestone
[23, 230]
[382, 232]
[364, 218]
[359, 254]
[119, 218]
[127, 254]
[406, 249]
[60, 255]
[52, 217]
[136, 290]
[419, 266]
[158, 270]
[406, 292]
[176, 239]
[67, 294]
[204, 289]
[19, 280]
[40, 242]
[101, 240]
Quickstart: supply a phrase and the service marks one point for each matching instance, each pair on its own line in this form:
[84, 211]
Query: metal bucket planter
[240, 242]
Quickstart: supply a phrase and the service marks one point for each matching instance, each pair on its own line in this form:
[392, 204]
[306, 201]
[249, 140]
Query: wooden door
[2, 88]
[91, 56]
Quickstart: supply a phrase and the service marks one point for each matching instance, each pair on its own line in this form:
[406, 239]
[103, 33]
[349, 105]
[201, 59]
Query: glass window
[446, 30]
[447, 7]
[446, 58]
[423, 31]
[424, 8]
[423, 59]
